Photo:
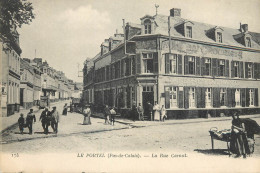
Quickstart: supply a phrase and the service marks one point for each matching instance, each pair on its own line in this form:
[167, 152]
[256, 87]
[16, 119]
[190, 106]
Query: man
[107, 114]
[55, 119]
[29, 120]
[71, 108]
[140, 111]
[44, 120]
[134, 112]
[21, 123]
[150, 110]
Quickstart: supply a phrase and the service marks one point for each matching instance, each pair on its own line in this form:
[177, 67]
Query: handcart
[222, 135]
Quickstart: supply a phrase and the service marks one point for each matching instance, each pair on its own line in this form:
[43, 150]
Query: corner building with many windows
[195, 70]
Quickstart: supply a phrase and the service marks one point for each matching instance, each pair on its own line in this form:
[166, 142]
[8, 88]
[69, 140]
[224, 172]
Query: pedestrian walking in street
[140, 111]
[150, 110]
[107, 114]
[163, 113]
[55, 119]
[21, 123]
[156, 110]
[44, 120]
[113, 114]
[87, 114]
[29, 121]
[134, 112]
[71, 108]
[65, 110]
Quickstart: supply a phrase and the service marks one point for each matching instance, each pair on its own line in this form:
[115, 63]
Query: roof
[199, 31]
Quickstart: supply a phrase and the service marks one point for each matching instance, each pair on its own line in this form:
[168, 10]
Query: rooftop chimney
[244, 27]
[175, 12]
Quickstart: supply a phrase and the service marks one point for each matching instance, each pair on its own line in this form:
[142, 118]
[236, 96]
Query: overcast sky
[66, 32]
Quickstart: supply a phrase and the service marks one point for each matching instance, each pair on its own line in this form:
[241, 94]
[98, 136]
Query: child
[21, 123]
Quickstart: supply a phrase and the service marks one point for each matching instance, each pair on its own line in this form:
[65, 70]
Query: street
[190, 137]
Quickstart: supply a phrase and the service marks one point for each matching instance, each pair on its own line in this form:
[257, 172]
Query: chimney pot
[244, 27]
[175, 12]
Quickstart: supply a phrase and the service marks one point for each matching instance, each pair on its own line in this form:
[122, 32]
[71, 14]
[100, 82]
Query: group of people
[47, 118]
[155, 113]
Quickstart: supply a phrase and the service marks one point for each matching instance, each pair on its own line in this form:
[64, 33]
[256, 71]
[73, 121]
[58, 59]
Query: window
[207, 66]
[248, 42]
[250, 70]
[192, 98]
[147, 27]
[133, 94]
[237, 98]
[173, 96]
[219, 37]
[173, 64]
[208, 97]
[189, 31]
[222, 96]
[236, 72]
[221, 67]
[191, 64]
[148, 62]
[147, 88]
[251, 97]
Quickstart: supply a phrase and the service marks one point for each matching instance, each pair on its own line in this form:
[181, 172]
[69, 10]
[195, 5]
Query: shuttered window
[223, 97]
[221, 67]
[189, 65]
[207, 71]
[173, 64]
[238, 98]
[138, 63]
[150, 62]
[249, 70]
[173, 95]
[236, 71]
[192, 102]
[208, 98]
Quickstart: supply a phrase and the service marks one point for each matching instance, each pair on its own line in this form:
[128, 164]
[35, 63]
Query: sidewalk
[171, 121]
[8, 122]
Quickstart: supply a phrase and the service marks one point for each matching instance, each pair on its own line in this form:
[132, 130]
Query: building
[10, 73]
[27, 85]
[194, 69]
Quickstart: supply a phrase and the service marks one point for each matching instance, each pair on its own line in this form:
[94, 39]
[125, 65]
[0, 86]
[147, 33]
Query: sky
[67, 32]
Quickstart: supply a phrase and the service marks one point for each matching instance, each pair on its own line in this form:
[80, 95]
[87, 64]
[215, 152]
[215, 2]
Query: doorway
[21, 96]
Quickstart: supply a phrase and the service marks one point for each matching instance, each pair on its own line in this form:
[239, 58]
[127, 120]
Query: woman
[87, 114]
[163, 113]
[156, 109]
[65, 109]
[238, 143]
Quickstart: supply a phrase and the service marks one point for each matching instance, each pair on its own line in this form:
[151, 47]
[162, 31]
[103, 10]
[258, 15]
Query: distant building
[10, 73]
[195, 71]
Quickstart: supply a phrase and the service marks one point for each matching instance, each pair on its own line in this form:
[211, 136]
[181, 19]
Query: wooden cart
[222, 135]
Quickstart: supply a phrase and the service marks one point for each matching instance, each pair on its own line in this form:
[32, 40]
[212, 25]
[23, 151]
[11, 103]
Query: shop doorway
[148, 95]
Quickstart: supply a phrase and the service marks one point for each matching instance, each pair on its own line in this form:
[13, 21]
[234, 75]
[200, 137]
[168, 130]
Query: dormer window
[147, 27]
[247, 42]
[188, 32]
[219, 37]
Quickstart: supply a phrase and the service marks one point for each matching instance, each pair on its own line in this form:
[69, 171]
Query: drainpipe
[169, 31]
[124, 34]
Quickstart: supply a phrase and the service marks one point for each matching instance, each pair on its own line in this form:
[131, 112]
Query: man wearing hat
[29, 120]
[55, 119]
[87, 114]
[44, 119]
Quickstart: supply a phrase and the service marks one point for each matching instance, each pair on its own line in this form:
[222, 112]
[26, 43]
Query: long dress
[87, 114]
[163, 113]
[65, 110]
[156, 109]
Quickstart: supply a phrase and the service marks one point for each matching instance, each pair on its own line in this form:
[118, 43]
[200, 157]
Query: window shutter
[255, 71]
[138, 63]
[258, 70]
[155, 62]
[229, 97]
[122, 68]
[203, 95]
[214, 66]
[227, 68]
[179, 64]
[216, 97]
[243, 97]
[167, 63]
[256, 96]
[186, 64]
[186, 97]
[167, 99]
[218, 68]
[232, 69]
[180, 99]
[198, 97]
[247, 97]
[203, 66]
[246, 69]
[233, 91]
[241, 69]
[197, 65]
[133, 65]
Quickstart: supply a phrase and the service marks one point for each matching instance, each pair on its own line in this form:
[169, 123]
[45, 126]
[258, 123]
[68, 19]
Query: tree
[13, 14]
